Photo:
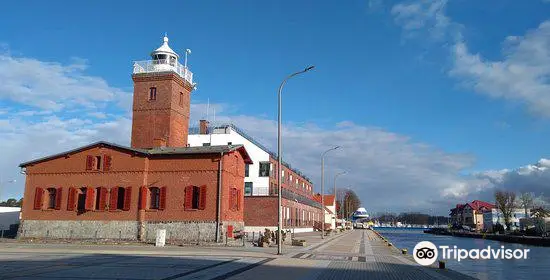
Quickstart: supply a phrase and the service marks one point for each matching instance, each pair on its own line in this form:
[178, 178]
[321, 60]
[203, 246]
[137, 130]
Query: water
[536, 266]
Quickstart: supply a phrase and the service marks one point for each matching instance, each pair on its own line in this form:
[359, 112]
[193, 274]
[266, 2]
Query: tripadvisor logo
[425, 253]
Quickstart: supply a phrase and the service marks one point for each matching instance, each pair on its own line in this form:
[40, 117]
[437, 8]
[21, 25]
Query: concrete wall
[177, 231]
[182, 231]
[127, 230]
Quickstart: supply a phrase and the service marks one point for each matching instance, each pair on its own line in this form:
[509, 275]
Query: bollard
[404, 251]
[441, 264]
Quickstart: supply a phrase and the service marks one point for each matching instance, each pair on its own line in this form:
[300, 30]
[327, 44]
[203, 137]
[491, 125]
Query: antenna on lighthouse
[187, 51]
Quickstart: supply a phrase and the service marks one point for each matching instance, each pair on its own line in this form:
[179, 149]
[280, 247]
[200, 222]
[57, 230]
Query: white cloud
[51, 85]
[523, 75]
[420, 15]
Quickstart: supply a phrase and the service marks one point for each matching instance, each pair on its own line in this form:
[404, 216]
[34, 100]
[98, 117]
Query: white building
[256, 175]
[9, 216]
[301, 212]
[494, 216]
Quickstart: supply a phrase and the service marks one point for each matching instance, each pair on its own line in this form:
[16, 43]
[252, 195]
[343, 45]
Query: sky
[434, 102]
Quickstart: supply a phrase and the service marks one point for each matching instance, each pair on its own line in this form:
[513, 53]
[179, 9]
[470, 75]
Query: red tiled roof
[478, 205]
[328, 201]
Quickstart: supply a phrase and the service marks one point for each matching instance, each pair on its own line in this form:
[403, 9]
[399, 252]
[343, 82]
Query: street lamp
[323, 189]
[280, 162]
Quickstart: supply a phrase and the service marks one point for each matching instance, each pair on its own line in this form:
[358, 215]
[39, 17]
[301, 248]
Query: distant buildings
[330, 209]
[495, 216]
[470, 214]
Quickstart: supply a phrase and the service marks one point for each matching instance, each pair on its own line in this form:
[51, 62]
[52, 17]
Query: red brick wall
[286, 181]
[164, 117]
[260, 211]
[174, 173]
[233, 177]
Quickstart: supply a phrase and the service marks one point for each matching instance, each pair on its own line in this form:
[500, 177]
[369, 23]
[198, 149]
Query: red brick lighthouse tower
[162, 89]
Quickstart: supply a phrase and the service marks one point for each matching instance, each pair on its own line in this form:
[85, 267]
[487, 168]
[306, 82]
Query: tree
[506, 202]
[526, 202]
[348, 202]
[12, 202]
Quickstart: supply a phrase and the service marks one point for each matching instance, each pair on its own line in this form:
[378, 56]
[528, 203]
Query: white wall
[260, 185]
[8, 216]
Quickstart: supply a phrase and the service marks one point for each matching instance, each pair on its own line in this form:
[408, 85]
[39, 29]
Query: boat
[360, 215]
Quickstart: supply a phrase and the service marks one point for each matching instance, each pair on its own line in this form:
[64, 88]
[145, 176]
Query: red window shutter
[162, 201]
[58, 195]
[202, 198]
[143, 197]
[89, 162]
[188, 203]
[90, 198]
[102, 198]
[127, 198]
[71, 199]
[106, 163]
[38, 194]
[113, 199]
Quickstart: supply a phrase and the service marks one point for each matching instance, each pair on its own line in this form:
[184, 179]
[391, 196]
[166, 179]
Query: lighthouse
[161, 101]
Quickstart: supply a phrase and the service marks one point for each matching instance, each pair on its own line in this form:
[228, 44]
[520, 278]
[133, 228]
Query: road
[358, 254]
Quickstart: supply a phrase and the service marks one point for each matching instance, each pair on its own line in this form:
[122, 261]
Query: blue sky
[443, 85]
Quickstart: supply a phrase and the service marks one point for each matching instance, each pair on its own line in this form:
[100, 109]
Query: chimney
[203, 127]
[158, 142]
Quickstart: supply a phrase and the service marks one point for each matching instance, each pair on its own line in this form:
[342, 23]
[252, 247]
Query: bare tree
[526, 202]
[506, 202]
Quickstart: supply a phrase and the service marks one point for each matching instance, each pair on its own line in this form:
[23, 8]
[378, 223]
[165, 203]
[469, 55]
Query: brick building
[300, 210]
[105, 190]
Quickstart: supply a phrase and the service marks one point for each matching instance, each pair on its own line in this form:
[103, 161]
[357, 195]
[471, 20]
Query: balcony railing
[163, 65]
[259, 191]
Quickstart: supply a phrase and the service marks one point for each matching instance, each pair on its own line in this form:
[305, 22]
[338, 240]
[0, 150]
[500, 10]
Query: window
[264, 169]
[96, 163]
[246, 170]
[81, 202]
[181, 99]
[229, 143]
[51, 198]
[153, 93]
[248, 188]
[206, 144]
[121, 193]
[195, 198]
[154, 198]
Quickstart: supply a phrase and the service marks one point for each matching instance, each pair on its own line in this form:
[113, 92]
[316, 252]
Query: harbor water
[536, 266]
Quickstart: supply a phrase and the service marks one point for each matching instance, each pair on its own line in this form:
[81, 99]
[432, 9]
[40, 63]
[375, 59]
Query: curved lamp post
[323, 189]
[280, 162]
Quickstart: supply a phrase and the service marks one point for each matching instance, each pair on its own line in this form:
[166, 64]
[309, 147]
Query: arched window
[154, 198]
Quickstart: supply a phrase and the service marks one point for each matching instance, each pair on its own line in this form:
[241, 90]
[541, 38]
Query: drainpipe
[219, 204]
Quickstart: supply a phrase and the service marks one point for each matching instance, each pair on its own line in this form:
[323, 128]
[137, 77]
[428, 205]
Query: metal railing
[163, 65]
[259, 191]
